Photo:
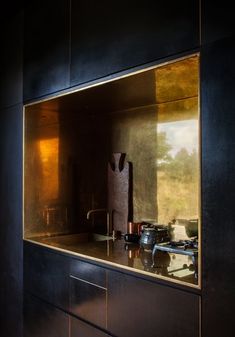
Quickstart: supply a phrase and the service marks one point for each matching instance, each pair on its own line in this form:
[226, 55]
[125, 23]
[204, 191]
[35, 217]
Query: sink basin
[100, 237]
[74, 239]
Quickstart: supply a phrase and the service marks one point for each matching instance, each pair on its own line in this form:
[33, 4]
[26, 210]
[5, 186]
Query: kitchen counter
[174, 267]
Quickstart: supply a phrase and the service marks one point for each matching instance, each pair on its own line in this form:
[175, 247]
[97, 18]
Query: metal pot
[148, 237]
[152, 234]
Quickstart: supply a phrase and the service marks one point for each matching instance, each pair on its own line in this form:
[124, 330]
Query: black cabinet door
[217, 20]
[44, 320]
[141, 308]
[218, 187]
[88, 301]
[11, 247]
[110, 36]
[81, 329]
[11, 62]
[88, 292]
[46, 47]
[46, 275]
[88, 272]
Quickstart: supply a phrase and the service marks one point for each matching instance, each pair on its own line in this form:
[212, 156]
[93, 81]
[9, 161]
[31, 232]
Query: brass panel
[177, 80]
[178, 165]
[152, 116]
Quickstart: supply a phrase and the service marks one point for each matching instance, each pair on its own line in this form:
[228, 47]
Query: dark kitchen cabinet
[53, 281]
[88, 272]
[46, 48]
[102, 301]
[218, 187]
[217, 20]
[107, 37]
[46, 274]
[88, 292]
[88, 301]
[81, 329]
[141, 308]
[44, 320]
[72, 285]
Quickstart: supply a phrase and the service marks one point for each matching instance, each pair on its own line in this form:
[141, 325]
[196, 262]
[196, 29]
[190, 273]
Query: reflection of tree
[177, 181]
[163, 147]
[182, 166]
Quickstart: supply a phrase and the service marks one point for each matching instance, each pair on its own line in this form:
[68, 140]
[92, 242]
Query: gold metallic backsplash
[152, 116]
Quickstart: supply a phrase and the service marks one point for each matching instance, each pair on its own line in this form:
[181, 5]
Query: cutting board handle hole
[118, 161]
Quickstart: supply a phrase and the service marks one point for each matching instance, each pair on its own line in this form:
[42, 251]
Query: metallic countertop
[173, 267]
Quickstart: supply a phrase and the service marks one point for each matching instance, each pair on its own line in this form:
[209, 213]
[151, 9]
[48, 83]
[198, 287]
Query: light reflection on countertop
[175, 267]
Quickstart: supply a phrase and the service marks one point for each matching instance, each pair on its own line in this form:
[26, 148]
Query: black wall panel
[218, 187]
[11, 260]
[11, 57]
[217, 19]
[46, 47]
[110, 36]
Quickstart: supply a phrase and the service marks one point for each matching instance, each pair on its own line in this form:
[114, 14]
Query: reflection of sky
[181, 134]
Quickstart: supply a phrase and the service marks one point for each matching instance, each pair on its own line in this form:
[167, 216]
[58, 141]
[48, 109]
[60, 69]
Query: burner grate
[184, 247]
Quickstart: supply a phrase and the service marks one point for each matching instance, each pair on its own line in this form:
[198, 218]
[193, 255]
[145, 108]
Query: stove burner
[184, 247]
[184, 244]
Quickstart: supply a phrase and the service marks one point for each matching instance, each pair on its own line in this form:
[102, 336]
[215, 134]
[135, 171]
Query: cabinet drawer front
[81, 329]
[88, 301]
[46, 275]
[140, 308]
[44, 320]
[88, 272]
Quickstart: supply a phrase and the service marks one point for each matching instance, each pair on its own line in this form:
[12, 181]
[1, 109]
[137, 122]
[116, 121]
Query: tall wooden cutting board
[119, 173]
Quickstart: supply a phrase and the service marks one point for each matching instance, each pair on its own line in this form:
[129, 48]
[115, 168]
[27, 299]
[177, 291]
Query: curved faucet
[95, 210]
[100, 210]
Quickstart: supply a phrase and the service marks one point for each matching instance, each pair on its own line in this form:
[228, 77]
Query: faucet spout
[94, 211]
[91, 211]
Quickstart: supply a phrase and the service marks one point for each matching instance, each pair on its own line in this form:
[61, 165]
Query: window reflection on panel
[177, 169]
[177, 141]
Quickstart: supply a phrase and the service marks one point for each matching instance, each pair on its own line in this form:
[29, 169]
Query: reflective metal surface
[152, 116]
[75, 239]
[175, 267]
